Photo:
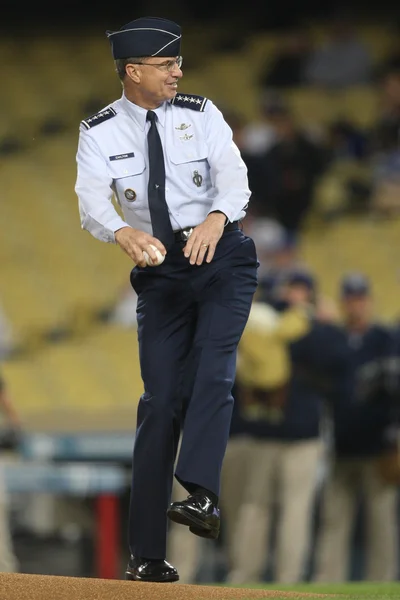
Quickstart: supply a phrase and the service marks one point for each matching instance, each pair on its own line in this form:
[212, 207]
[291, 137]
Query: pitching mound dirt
[20, 586]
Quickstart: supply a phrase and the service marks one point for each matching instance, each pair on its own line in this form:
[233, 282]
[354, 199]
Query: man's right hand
[134, 242]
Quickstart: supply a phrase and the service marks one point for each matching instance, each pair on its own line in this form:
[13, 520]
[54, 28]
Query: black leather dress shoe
[198, 513]
[145, 569]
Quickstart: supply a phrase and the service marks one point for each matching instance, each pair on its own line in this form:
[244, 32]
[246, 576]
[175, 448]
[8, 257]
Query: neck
[357, 325]
[140, 100]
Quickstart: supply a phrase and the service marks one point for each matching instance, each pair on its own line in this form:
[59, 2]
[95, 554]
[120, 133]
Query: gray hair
[120, 64]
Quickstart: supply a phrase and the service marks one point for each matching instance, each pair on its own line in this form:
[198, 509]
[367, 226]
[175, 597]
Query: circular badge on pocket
[130, 195]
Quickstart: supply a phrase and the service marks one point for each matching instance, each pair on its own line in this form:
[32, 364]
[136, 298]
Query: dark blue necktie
[158, 207]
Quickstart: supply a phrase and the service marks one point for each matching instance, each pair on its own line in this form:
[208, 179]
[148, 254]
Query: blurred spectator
[287, 67]
[280, 327]
[10, 418]
[390, 95]
[285, 361]
[278, 254]
[343, 59]
[361, 423]
[272, 281]
[385, 174]
[291, 168]
[11, 425]
[396, 363]
[263, 371]
[388, 110]
[391, 62]
[258, 134]
[276, 249]
[345, 186]
[255, 174]
[281, 406]
[8, 342]
[389, 461]
[347, 141]
[385, 148]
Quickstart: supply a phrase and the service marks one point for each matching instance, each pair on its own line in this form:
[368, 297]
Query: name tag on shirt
[122, 156]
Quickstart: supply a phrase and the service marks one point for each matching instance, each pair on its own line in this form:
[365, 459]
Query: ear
[133, 72]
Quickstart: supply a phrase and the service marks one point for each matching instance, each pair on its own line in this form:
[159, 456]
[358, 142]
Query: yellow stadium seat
[96, 377]
[357, 244]
[55, 275]
[360, 105]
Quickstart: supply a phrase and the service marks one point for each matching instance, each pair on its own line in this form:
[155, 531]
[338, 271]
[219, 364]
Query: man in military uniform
[182, 185]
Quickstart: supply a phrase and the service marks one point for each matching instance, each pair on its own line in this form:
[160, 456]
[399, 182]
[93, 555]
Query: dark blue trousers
[190, 320]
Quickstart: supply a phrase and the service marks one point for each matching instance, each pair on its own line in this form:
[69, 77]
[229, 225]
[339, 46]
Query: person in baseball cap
[355, 284]
[300, 276]
[356, 301]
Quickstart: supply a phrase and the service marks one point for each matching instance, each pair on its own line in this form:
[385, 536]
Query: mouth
[174, 85]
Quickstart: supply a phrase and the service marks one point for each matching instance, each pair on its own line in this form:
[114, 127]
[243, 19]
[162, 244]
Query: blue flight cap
[355, 284]
[147, 36]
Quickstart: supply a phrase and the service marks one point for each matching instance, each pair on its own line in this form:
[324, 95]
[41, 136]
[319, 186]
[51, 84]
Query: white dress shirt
[204, 169]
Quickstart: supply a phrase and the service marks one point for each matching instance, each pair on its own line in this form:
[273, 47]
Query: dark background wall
[78, 15]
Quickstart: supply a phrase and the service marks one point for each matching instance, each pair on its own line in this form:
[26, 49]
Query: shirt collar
[139, 114]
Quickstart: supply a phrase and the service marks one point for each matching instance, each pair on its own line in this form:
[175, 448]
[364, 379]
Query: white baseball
[149, 261]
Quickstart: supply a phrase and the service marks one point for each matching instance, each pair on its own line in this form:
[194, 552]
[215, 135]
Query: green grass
[345, 591]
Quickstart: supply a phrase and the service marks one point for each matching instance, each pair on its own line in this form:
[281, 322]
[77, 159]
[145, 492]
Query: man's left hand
[204, 239]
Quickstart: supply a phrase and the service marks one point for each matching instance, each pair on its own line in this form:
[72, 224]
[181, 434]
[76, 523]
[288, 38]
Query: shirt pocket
[192, 167]
[130, 181]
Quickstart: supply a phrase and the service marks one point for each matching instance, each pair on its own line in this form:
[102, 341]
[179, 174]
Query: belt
[184, 234]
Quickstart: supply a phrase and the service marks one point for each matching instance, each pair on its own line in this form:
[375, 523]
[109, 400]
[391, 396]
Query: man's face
[283, 125]
[298, 293]
[157, 78]
[391, 88]
[357, 307]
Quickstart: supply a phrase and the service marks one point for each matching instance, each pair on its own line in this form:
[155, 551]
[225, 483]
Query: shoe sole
[196, 526]
[168, 579]
[205, 533]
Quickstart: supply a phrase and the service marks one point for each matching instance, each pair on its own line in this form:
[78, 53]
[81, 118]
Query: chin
[172, 92]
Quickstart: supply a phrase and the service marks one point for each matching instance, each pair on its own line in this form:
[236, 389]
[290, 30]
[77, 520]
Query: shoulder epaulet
[100, 117]
[190, 101]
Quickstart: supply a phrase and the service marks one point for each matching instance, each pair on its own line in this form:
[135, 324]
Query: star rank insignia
[190, 101]
[100, 117]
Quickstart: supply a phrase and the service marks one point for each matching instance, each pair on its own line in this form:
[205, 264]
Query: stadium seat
[96, 376]
[56, 277]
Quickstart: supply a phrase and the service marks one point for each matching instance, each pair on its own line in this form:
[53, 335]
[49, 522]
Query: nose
[177, 69]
